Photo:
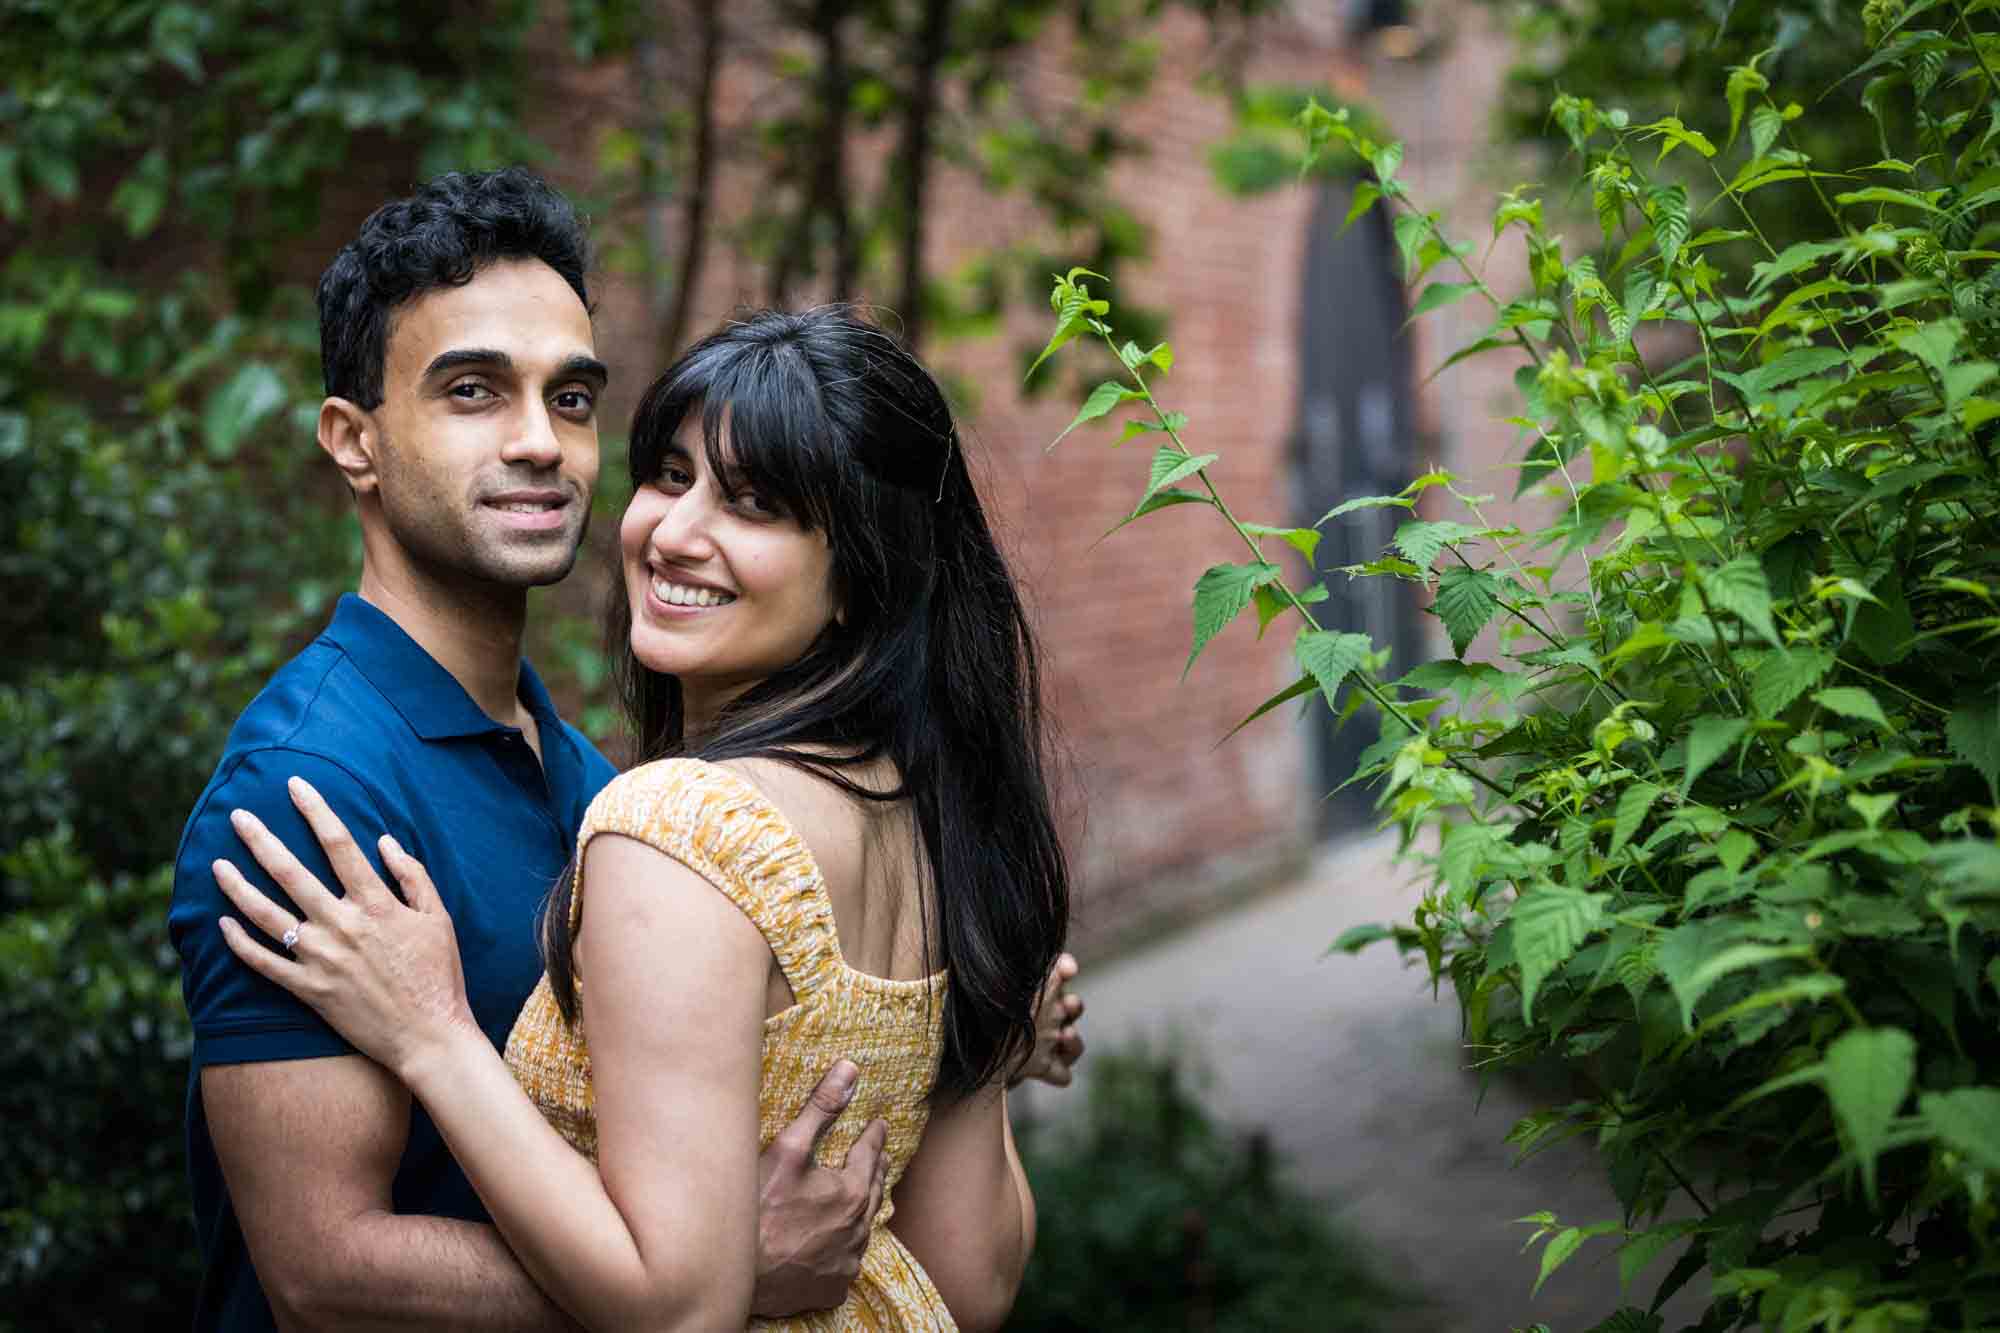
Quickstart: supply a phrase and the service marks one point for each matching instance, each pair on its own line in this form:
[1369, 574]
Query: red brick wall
[1162, 819]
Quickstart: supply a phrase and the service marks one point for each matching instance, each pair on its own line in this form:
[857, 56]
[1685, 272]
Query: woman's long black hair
[931, 663]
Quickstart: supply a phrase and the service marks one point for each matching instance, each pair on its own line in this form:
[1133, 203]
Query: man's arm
[309, 1148]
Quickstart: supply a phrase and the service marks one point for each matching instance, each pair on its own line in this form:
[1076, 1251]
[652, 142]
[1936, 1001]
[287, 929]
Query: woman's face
[725, 588]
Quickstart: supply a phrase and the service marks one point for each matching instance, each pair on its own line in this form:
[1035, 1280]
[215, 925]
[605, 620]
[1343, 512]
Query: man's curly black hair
[438, 237]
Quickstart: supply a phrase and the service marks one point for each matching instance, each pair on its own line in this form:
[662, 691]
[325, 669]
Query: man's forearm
[394, 1272]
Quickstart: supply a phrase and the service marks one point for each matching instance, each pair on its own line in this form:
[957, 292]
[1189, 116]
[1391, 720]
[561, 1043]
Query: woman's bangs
[778, 435]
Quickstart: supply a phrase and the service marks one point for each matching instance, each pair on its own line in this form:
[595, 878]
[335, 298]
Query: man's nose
[535, 441]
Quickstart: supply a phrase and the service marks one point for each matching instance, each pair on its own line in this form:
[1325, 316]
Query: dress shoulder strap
[719, 825]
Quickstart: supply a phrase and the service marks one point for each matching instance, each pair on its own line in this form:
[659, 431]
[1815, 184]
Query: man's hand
[1058, 1045]
[813, 1221]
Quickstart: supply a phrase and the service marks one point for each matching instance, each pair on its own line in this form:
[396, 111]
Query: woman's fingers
[299, 883]
[257, 909]
[415, 881]
[356, 876]
[264, 962]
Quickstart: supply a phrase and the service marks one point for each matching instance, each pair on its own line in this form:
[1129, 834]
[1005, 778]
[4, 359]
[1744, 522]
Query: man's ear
[347, 433]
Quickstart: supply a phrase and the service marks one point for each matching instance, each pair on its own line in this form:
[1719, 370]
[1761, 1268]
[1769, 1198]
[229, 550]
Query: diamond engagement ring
[290, 939]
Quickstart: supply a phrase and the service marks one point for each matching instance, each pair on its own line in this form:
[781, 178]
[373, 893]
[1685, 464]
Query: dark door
[1355, 436]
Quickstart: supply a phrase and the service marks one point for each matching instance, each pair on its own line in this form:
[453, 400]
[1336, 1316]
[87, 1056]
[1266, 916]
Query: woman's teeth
[679, 594]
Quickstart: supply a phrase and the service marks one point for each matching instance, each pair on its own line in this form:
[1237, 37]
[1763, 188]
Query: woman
[841, 846]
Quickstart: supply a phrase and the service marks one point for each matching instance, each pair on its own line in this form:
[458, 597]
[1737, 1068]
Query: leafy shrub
[1712, 822]
[1150, 1217]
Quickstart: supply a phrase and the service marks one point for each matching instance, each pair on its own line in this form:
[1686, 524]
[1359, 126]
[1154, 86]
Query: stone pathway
[1356, 1073]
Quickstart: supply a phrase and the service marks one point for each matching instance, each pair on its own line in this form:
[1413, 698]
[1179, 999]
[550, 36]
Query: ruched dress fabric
[721, 827]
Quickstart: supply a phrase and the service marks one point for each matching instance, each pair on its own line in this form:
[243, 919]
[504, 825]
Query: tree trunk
[919, 114]
[701, 173]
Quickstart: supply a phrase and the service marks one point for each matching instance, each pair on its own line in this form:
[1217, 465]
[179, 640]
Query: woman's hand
[385, 975]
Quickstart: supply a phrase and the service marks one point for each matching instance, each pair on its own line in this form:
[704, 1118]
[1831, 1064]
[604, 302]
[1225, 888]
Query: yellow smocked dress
[721, 827]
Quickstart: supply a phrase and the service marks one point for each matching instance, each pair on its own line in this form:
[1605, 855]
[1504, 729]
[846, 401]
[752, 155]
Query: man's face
[487, 430]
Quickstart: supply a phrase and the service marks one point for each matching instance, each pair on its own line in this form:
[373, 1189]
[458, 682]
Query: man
[463, 388]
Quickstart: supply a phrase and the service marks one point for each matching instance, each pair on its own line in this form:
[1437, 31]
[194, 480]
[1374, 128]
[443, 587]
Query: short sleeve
[238, 1016]
[723, 828]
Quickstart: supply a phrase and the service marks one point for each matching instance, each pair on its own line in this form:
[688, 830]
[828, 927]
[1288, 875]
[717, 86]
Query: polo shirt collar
[430, 699]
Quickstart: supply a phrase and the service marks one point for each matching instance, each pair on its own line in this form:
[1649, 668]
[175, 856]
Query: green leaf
[1422, 541]
[1356, 938]
[1795, 365]
[239, 405]
[1441, 294]
[1166, 499]
[1708, 740]
[1220, 596]
[1367, 502]
[1067, 329]
[1633, 803]
[1868, 1074]
[1693, 978]
[1102, 399]
[1329, 657]
[142, 196]
[1852, 701]
[1365, 195]
[1974, 733]
[1783, 677]
[1638, 1253]
[1304, 540]
[1303, 685]
[1564, 1244]
[1668, 207]
[1739, 588]
[1171, 465]
[1968, 1119]
[1550, 922]
[1466, 600]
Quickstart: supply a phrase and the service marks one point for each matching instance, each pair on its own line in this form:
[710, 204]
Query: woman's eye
[675, 477]
[753, 503]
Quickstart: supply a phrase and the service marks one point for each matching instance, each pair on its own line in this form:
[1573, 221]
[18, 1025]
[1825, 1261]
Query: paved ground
[1356, 1072]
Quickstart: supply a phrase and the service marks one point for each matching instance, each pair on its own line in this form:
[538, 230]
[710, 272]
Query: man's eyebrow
[581, 367]
[573, 367]
[469, 356]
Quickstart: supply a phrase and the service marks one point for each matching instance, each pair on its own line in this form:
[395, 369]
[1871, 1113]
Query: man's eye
[577, 401]
[471, 390]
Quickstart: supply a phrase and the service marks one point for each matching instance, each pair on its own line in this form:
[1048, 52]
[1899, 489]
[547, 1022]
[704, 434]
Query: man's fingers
[356, 876]
[828, 1100]
[867, 1157]
[878, 1178]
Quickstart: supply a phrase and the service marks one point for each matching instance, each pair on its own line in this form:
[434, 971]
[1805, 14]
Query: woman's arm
[665, 1237]
[965, 1210]
[663, 1233]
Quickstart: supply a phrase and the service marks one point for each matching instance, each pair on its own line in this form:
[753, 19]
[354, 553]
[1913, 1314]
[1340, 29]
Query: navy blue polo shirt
[397, 746]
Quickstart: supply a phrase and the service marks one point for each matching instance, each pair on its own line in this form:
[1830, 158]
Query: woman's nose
[683, 531]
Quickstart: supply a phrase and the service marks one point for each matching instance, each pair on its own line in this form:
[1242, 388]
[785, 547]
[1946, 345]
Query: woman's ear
[347, 434]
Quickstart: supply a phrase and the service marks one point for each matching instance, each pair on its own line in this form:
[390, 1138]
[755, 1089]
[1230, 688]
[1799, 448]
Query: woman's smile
[674, 594]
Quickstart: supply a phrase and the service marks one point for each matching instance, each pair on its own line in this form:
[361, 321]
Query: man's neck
[475, 635]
